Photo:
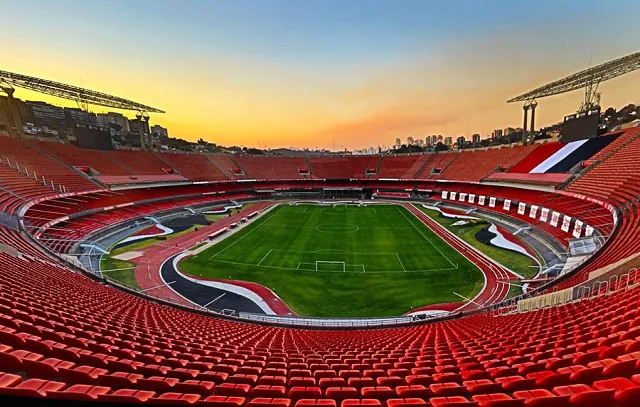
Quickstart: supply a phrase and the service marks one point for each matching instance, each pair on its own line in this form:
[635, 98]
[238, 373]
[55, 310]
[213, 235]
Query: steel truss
[75, 93]
[589, 79]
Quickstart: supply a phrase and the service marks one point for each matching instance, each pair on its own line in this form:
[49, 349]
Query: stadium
[495, 276]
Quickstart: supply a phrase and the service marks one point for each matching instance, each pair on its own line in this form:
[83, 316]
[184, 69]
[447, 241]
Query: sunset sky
[306, 73]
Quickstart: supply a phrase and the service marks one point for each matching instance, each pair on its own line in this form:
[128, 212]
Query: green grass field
[342, 261]
[517, 262]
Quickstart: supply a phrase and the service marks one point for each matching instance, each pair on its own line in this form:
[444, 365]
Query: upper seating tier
[196, 167]
[273, 167]
[538, 155]
[138, 162]
[344, 167]
[81, 157]
[52, 170]
[478, 164]
[400, 166]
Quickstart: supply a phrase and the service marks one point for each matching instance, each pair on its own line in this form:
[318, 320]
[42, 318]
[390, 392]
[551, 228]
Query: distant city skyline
[304, 74]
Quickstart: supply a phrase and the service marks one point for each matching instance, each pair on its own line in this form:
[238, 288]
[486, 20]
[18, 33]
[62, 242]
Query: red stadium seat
[67, 335]
[541, 398]
[626, 394]
[497, 400]
[583, 395]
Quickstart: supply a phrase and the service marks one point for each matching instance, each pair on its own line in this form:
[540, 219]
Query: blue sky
[293, 72]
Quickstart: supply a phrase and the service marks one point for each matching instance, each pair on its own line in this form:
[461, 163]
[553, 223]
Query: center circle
[337, 228]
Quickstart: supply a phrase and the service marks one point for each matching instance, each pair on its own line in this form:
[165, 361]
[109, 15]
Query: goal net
[331, 265]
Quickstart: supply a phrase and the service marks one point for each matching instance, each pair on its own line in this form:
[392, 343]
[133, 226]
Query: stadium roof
[71, 92]
[597, 74]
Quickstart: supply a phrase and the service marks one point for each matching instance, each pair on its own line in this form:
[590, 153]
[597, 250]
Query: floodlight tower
[15, 121]
[591, 95]
[589, 79]
[525, 107]
[83, 97]
[143, 117]
[532, 105]
[528, 105]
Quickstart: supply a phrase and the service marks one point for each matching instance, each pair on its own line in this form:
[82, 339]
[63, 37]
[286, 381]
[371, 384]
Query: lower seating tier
[63, 335]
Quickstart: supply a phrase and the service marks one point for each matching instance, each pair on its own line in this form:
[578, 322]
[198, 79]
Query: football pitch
[343, 260]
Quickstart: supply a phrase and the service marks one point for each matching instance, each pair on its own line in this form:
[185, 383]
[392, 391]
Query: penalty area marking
[348, 268]
[359, 227]
[403, 268]
[335, 251]
[265, 256]
[359, 272]
[337, 228]
[272, 213]
[423, 235]
[314, 267]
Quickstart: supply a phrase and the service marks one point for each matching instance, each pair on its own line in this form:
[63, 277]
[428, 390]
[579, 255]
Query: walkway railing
[571, 295]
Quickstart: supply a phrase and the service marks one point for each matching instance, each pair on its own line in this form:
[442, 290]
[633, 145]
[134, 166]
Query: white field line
[265, 256]
[356, 265]
[244, 292]
[428, 240]
[359, 227]
[493, 264]
[331, 251]
[321, 271]
[206, 244]
[248, 233]
[494, 267]
[403, 268]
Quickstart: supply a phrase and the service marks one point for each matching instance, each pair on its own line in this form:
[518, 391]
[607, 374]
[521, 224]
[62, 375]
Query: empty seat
[541, 398]
[627, 393]
[583, 395]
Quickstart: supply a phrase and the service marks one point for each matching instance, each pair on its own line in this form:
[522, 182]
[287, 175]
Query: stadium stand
[595, 215]
[400, 166]
[475, 165]
[196, 167]
[440, 164]
[417, 167]
[272, 167]
[537, 156]
[62, 236]
[44, 166]
[343, 167]
[64, 336]
[623, 138]
[138, 162]
[616, 176]
[624, 245]
[227, 165]
[423, 171]
[16, 187]
[80, 157]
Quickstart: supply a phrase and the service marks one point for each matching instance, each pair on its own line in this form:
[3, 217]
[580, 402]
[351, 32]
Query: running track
[147, 271]
[148, 265]
[496, 276]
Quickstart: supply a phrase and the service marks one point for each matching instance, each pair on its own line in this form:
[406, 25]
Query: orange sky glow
[456, 88]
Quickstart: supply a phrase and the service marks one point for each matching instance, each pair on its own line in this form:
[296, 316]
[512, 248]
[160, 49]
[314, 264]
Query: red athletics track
[496, 276]
[147, 271]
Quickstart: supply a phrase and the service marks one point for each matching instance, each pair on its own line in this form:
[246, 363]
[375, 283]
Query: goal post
[324, 265]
